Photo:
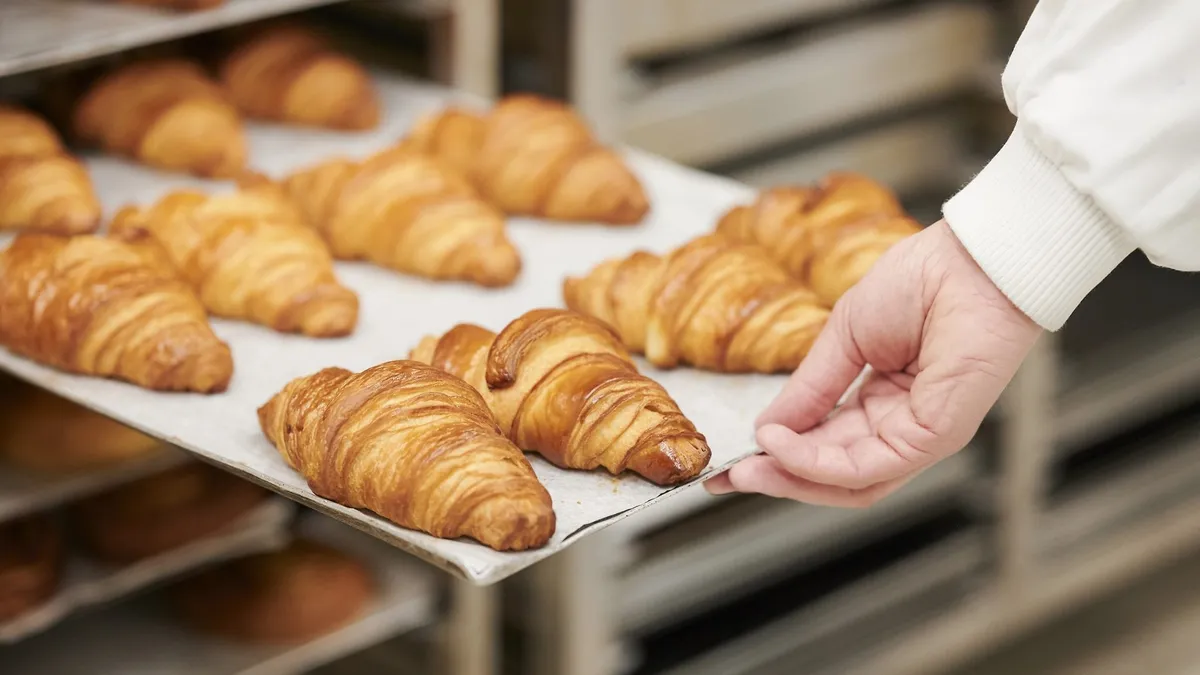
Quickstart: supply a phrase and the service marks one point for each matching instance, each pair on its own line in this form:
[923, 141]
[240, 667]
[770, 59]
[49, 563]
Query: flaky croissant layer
[409, 212]
[536, 157]
[41, 187]
[562, 385]
[709, 304]
[415, 445]
[98, 306]
[249, 255]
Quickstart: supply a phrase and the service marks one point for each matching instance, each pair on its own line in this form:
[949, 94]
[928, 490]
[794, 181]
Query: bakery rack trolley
[1079, 484]
[41, 34]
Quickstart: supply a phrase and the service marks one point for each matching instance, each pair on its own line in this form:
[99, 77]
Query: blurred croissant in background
[41, 186]
[709, 304]
[166, 113]
[536, 157]
[287, 73]
[827, 235]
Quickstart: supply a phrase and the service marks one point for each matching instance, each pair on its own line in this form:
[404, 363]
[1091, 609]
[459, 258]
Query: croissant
[792, 222]
[31, 563]
[44, 433]
[166, 113]
[41, 187]
[289, 596]
[289, 74]
[561, 384]
[248, 255]
[843, 255]
[409, 212]
[534, 157]
[98, 306]
[716, 306]
[415, 445]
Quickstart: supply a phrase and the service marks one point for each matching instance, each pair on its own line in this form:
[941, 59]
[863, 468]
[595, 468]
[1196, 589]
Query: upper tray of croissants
[457, 321]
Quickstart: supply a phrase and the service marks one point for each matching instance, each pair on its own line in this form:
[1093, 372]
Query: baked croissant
[561, 384]
[712, 304]
[841, 256]
[248, 255]
[409, 212]
[166, 113]
[415, 445]
[289, 596]
[792, 222]
[45, 433]
[531, 156]
[41, 187]
[31, 563]
[102, 307]
[289, 74]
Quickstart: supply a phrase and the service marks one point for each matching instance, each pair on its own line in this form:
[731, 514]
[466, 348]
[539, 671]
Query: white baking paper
[396, 311]
[87, 582]
[141, 637]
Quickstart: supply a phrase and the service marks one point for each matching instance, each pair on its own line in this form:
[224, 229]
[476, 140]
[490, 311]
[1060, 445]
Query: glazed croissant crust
[536, 157]
[710, 304]
[41, 187]
[562, 384]
[166, 113]
[415, 445]
[248, 255]
[102, 307]
[409, 212]
[798, 225]
[289, 74]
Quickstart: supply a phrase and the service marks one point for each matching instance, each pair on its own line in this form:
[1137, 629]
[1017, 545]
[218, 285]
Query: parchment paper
[396, 311]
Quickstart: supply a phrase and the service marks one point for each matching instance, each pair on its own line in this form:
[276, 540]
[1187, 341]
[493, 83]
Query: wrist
[1043, 243]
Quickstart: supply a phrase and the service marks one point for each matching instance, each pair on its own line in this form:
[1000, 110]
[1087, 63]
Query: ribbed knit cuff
[1043, 243]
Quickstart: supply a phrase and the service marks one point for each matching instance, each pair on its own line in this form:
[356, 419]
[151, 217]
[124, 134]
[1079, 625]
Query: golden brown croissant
[415, 445]
[166, 113]
[41, 187]
[102, 307]
[287, 73]
[31, 562]
[561, 384]
[841, 256]
[536, 157]
[162, 512]
[248, 255]
[289, 596]
[404, 210]
[792, 222]
[46, 433]
[712, 304]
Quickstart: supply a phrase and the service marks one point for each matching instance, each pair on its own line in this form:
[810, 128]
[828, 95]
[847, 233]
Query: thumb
[831, 366]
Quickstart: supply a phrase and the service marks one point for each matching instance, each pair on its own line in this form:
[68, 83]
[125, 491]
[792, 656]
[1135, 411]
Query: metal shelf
[136, 638]
[42, 33]
[23, 493]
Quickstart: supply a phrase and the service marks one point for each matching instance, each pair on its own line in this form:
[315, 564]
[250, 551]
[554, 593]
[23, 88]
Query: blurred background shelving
[1087, 483]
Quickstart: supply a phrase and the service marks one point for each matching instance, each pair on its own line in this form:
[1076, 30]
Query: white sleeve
[1104, 159]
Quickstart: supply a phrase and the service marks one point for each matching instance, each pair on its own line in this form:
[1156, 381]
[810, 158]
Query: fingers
[764, 475]
[822, 378]
[860, 464]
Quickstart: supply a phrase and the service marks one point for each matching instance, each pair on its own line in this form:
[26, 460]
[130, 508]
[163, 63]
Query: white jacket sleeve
[1104, 159]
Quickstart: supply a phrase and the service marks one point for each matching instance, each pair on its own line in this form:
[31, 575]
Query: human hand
[942, 343]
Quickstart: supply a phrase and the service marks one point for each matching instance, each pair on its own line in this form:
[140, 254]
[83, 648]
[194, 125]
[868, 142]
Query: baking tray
[396, 311]
[87, 583]
[140, 637]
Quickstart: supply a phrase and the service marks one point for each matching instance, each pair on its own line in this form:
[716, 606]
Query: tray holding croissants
[471, 329]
